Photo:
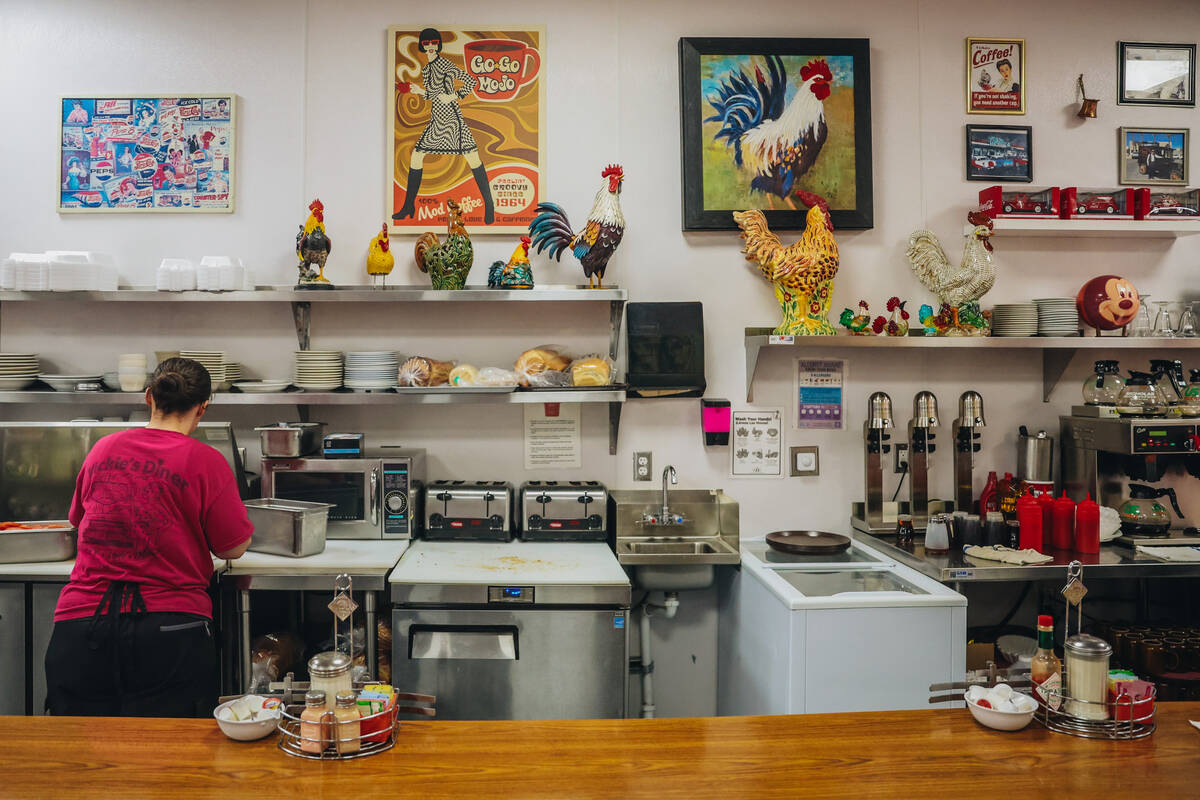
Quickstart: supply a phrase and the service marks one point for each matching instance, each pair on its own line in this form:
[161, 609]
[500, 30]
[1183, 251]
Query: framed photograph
[765, 119]
[466, 123]
[999, 153]
[995, 76]
[1150, 74]
[146, 153]
[1152, 156]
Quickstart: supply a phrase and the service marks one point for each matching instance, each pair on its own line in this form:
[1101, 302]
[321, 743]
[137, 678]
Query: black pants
[132, 665]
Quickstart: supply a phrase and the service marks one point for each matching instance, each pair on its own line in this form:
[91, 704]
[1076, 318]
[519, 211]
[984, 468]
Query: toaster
[468, 510]
[564, 511]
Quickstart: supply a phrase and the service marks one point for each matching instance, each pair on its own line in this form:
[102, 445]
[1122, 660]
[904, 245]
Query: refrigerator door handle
[454, 642]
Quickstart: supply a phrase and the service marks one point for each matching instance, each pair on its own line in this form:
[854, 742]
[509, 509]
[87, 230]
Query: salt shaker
[1087, 676]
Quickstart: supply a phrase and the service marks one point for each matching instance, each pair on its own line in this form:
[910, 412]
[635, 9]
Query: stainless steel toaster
[479, 510]
[564, 511]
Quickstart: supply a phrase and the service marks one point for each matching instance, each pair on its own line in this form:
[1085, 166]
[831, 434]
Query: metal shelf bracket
[1054, 364]
[302, 314]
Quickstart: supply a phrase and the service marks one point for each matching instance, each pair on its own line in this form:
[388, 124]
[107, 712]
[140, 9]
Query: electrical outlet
[643, 465]
[900, 456]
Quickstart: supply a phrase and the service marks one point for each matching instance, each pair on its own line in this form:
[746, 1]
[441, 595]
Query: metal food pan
[294, 528]
[37, 544]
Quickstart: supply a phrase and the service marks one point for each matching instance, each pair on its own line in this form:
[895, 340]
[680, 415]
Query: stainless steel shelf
[449, 397]
[1057, 351]
[348, 294]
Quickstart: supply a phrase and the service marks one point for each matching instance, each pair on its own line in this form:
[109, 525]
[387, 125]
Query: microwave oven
[371, 498]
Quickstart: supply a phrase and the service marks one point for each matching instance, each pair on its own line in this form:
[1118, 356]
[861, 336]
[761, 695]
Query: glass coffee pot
[1168, 377]
[1142, 514]
[1141, 397]
[1104, 386]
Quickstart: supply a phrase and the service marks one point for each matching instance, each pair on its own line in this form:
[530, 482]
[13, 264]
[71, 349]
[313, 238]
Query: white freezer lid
[513, 563]
[895, 587]
[857, 555]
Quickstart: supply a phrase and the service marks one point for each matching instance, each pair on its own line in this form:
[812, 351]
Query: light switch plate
[643, 465]
[806, 461]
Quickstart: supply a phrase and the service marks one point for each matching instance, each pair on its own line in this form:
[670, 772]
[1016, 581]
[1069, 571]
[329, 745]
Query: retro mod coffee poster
[465, 111]
[146, 154]
[995, 76]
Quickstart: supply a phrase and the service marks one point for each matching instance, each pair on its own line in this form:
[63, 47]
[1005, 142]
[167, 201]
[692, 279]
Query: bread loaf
[538, 360]
[421, 371]
[464, 375]
[591, 371]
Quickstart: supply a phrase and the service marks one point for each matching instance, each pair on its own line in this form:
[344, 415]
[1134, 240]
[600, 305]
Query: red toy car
[1098, 202]
[1169, 206]
[1019, 201]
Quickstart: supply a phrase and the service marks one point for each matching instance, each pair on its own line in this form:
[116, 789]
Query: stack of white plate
[262, 387]
[213, 361]
[320, 370]
[18, 370]
[1057, 316]
[372, 369]
[233, 371]
[66, 383]
[1015, 319]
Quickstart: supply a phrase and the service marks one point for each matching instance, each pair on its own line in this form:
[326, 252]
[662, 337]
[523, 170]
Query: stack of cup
[131, 371]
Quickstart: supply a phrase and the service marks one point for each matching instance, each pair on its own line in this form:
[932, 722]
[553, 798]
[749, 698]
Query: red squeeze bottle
[1046, 503]
[1087, 526]
[1029, 522]
[987, 498]
[1062, 525]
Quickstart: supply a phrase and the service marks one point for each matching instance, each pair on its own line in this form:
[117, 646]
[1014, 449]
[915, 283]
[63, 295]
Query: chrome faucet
[668, 472]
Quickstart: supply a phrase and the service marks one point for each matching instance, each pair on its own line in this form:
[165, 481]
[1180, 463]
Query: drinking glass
[1142, 324]
[1162, 321]
[1187, 320]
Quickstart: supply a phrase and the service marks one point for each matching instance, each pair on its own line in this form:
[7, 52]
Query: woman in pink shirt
[133, 628]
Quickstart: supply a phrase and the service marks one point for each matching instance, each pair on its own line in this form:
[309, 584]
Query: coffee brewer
[1103, 455]
[920, 447]
[966, 445]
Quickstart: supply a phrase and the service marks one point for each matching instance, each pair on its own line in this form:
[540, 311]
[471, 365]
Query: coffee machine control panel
[1150, 439]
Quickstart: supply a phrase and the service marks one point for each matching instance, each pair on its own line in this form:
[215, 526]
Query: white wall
[311, 123]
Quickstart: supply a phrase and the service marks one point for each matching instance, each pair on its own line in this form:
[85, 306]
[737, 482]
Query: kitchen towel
[1171, 552]
[1007, 555]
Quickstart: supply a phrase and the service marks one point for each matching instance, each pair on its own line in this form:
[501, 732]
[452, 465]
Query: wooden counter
[870, 755]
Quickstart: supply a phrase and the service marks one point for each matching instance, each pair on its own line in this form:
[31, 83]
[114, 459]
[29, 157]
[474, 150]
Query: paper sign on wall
[757, 444]
[819, 400]
[552, 437]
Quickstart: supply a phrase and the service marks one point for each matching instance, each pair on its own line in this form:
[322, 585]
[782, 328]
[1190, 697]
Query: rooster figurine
[595, 244]
[960, 287]
[380, 260]
[516, 274]
[313, 247]
[777, 139]
[802, 274]
[447, 262]
[858, 324]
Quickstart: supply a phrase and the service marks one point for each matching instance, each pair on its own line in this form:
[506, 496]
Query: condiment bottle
[329, 672]
[1046, 670]
[904, 531]
[1007, 490]
[1029, 518]
[1046, 503]
[1087, 676]
[1087, 526]
[312, 739]
[1062, 524]
[987, 498]
[348, 725]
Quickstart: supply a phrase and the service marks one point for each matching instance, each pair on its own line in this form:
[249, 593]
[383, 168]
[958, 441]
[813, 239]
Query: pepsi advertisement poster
[146, 154]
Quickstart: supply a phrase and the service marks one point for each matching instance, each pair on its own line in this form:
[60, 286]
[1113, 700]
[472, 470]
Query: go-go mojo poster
[465, 125]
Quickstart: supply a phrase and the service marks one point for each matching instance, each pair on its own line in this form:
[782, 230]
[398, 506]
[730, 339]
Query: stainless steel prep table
[367, 562]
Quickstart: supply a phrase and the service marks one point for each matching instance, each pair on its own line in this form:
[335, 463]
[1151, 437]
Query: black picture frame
[1187, 84]
[994, 161]
[694, 108]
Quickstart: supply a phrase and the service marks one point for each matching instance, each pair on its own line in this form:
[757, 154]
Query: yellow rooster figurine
[379, 258]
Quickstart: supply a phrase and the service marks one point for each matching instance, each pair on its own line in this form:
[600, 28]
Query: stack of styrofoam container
[176, 275]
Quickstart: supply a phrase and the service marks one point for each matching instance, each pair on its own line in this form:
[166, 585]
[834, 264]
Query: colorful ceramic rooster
[449, 261]
[380, 260]
[516, 274]
[858, 324]
[802, 274]
[595, 244]
[776, 139]
[313, 247]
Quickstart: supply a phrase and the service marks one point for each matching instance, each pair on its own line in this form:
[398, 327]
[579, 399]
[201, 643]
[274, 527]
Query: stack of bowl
[131, 372]
[1015, 319]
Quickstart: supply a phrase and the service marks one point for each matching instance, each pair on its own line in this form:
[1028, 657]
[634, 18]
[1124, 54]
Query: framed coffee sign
[995, 76]
[465, 111]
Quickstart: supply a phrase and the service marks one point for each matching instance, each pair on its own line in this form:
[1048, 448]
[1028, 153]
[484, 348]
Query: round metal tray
[808, 543]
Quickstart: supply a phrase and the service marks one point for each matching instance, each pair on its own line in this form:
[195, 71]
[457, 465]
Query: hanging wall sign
[465, 111]
[995, 76]
[756, 444]
[146, 153]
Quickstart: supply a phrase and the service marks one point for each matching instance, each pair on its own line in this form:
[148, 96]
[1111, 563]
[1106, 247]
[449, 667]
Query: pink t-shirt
[151, 505]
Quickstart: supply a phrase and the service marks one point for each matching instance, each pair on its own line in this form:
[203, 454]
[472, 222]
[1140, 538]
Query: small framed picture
[999, 153]
[1151, 74]
[995, 76]
[1152, 156]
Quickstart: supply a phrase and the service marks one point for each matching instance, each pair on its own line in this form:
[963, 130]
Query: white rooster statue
[958, 289]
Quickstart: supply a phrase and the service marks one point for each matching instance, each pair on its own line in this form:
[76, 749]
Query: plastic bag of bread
[421, 371]
[495, 376]
[273, 655]
[543, 366]
[464, 375]
[593, 370]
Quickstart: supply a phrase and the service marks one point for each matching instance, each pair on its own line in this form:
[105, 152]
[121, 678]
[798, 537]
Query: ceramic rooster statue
[776, 139]
[958, 288]
[449, 261]
[380, 260]
[516, 274]
[802, 274]
[313, 247]
[595, 244]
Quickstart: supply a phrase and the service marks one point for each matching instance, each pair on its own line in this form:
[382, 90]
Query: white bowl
[246, 730]
[1000, 720]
